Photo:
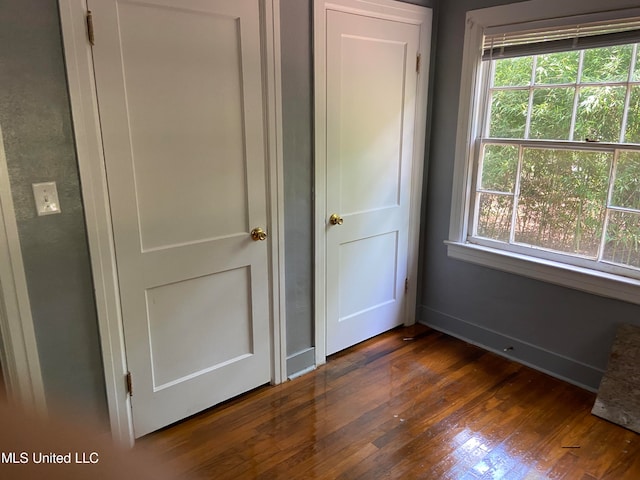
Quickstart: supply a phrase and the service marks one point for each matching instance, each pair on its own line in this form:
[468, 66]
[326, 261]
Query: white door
[370, 109]
[179, 86]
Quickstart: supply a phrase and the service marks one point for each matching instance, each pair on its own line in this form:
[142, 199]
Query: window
[559, 164]
[548, 167]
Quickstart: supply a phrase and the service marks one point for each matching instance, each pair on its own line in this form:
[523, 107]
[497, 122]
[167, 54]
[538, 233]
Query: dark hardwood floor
[409, 404]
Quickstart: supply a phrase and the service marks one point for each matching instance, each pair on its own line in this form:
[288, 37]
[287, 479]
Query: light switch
[46, 196]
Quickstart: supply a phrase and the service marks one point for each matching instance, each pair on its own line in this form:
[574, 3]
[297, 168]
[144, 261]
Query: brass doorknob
[335, 219]
[258, 234]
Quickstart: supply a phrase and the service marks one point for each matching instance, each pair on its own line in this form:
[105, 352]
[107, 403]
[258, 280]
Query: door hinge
[418, 57]
[129, 382]
[406, 285]
[90, 28]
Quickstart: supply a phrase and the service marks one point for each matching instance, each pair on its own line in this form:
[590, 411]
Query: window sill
[579, 278]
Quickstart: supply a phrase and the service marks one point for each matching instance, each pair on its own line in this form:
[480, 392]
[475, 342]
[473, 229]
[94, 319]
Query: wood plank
[406, 404]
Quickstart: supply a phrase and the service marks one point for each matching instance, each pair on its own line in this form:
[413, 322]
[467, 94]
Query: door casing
[384, 9]
[78, 59]
[18, 347]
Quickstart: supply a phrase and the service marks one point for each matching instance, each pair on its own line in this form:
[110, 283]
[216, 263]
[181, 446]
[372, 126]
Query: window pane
[636, 73]
[508, 113]
[562, 199]
[494, 216]
[626, 187]
[555, 68]
[599, 115]
[609, 64]
[632, 134]
[499, 166]
[551, 114]
[513, 72]
[623, 239]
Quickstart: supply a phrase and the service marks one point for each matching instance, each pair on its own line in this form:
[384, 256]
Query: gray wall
[563, 331]
[297, 100]
[36, 125]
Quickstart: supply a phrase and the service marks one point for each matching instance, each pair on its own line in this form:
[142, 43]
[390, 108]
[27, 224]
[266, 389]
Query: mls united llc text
[50, 457]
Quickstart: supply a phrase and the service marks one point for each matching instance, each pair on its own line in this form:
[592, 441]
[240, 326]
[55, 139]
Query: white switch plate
[46, 197]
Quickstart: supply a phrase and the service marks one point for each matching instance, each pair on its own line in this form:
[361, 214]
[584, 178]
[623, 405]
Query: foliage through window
[558, 166]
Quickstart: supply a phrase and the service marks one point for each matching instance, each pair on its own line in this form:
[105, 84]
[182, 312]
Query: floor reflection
[403, 406]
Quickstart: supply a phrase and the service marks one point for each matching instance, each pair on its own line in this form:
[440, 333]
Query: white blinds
[558, 39]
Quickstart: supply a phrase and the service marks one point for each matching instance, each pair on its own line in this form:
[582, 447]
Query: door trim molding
[385, 9]
[86, 124]
[18, 346]
[88, 142]
[273, 83]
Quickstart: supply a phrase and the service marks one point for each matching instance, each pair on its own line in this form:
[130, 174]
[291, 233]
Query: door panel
[196, 57]
[371, 88]
[205, 340]
[356, 269]
[367, 132]
[179, 86]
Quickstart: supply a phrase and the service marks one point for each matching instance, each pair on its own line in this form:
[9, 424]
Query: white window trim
[544, 12]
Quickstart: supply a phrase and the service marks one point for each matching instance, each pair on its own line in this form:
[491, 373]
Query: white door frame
[86, 124]
[18, 347]
[386, 9]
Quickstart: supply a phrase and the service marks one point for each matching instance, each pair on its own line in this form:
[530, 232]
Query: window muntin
[558, 167]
